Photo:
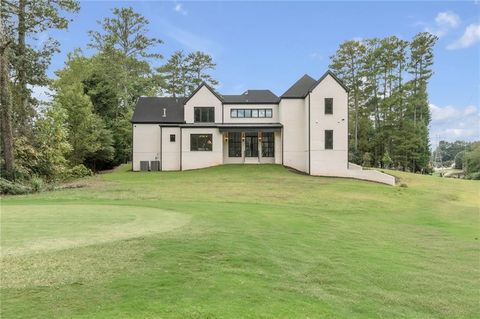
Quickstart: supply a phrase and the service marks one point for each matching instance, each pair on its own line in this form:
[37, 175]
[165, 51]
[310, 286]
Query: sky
[270, 45]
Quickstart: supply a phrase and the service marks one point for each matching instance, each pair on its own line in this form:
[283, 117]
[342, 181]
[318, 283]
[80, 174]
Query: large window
[204, 114]
[235, 144]
[250, 113]
[268, 144]
[328, 105]
[201, 142]
[329, 139]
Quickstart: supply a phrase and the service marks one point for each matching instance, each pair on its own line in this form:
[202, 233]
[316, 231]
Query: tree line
[86, 126]
[460, 155]
[388, 100]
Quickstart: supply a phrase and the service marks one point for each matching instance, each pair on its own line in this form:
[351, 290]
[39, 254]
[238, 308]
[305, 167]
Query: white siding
[292, 116]
[200, 159]
[203, 97]
[146, 144]
[327, 162]
[170, 150]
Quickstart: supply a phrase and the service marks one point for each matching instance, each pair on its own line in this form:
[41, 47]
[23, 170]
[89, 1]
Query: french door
[251, 144]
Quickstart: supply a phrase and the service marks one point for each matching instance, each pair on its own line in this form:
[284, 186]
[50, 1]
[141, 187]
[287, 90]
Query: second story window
[204, 114]
[328, 105]
[251, 113]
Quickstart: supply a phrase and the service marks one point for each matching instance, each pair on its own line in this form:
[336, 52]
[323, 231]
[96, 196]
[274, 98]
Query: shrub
[77, 172]
[36, 184]
[403, 185]
[475, 176]
[367, 160]
[12, 188]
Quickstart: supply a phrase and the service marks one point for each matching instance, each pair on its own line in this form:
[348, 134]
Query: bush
[77, 172]
[12, 188]
[36, 184]
[475, 176]
[367, 160]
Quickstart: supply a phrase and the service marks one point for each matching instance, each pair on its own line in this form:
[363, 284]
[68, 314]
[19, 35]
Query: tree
[81, 123]
[123, 42]
[348, 63]
[175, 74]
[125, 32]
[388, 103]
[184, 73]
[472, 161]
[52, 143]
[26, 64]
[199, 63]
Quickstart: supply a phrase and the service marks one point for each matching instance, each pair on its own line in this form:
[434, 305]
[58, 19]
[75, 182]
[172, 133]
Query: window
[201, 142]
[172, 137]
[249, 113]
[234, 144]
[329, 139]
[204, 114]
[328, 105]
[268, 144]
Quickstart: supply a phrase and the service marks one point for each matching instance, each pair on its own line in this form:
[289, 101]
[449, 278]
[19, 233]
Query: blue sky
[270, 45]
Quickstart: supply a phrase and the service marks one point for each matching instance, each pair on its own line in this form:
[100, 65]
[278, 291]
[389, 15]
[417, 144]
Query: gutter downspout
[309, 140]
[181, 139]
[161, 144]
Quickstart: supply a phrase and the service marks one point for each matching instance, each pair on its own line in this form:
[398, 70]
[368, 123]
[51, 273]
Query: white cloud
[448, 19]
[180, 9]
[454, 123]
[444, 22]
[469, 38]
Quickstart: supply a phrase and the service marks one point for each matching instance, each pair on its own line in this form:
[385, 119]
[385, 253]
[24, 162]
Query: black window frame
[268, 144]
[268, 111]
[328, 139]
[172, 137]
[234, 144]
[199, 142]
[204, 114]
[251, 113]
[328, 105]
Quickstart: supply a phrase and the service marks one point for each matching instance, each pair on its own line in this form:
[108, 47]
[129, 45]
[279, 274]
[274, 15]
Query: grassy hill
[242, 242]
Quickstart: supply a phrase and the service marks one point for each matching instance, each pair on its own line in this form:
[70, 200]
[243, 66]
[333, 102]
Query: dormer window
[204, 114]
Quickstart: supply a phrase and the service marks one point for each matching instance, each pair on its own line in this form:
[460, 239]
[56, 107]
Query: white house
[306, 128]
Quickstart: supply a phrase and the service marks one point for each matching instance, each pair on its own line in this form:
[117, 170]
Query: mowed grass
[243, 242]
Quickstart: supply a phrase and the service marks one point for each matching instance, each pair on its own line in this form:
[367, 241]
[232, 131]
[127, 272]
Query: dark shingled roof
[306, 84]
[300, 88]
[252, 97]
[151, 110]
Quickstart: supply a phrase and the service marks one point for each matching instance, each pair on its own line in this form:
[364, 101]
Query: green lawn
[242, 242]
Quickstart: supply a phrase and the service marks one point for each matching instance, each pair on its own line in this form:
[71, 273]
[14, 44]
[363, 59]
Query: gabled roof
[300, 88]
[252, 97]
[334, 77]
[306, 84]
[208, 87]
[151, 110]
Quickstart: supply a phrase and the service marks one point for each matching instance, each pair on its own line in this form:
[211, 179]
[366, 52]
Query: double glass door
[251, 144]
